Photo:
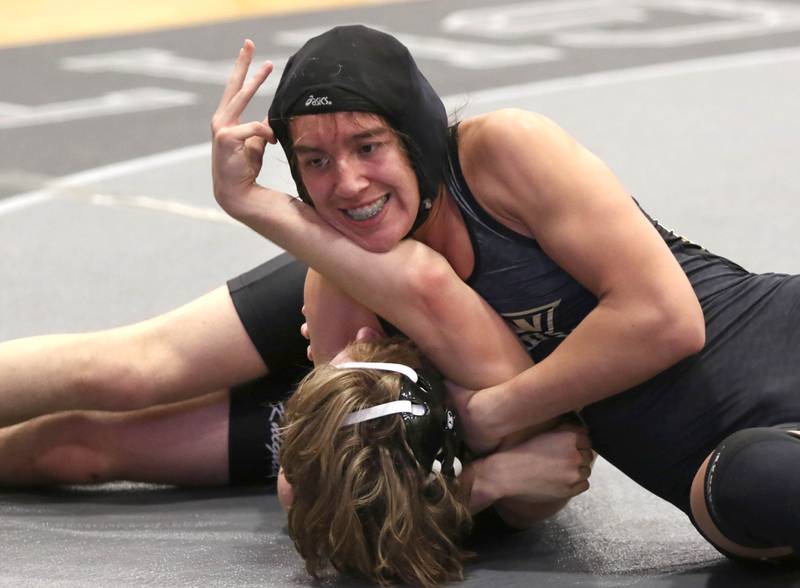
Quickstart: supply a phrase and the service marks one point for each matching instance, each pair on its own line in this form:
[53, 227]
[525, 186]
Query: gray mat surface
[704, 133]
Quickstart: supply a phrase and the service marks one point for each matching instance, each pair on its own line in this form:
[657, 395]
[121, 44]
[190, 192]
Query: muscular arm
[411, 285]
[531, 476]
[542, 183]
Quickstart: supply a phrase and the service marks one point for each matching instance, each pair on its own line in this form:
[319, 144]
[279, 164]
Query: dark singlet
[659, 432]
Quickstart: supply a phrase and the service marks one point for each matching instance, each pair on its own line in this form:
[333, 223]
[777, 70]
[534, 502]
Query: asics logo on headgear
[321, 101]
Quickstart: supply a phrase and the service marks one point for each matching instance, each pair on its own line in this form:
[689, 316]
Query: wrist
[234, 204]
[489, 408]
[483, 491]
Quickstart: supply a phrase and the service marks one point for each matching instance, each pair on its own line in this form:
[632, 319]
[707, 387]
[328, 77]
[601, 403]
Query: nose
[351, 180]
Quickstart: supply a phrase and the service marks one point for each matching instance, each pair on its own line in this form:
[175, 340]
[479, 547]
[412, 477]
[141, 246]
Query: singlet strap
[471, 209]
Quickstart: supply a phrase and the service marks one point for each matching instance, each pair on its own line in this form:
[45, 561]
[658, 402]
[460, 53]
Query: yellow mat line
[44, 21]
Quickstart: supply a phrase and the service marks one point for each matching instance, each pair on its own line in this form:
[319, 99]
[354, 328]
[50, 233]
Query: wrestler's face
[358, 176]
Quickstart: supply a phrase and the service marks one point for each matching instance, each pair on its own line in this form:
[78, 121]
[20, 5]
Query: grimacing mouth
[367, 211]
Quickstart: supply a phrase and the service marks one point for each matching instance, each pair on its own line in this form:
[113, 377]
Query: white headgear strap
[387, 408]
[382, 410]
[395, 407]
[399, 368]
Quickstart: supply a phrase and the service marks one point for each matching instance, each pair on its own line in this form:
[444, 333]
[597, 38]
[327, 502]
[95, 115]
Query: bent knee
[73, 450]
[742, 497]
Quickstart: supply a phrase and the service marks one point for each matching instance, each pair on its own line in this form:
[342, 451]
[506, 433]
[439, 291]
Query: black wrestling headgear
[354, 68]
[430, 426]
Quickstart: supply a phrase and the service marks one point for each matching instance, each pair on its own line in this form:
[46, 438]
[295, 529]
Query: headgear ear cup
[432, 437]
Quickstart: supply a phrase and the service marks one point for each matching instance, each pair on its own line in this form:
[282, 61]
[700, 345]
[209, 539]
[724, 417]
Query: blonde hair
[361, 501]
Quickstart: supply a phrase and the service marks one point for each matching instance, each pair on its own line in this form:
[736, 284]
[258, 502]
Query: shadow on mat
[128, 493]
[731, 574]
[249, 525]
[555, 548]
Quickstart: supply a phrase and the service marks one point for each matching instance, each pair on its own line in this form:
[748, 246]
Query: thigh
[268, 302]
[195, 349]
[231, 335]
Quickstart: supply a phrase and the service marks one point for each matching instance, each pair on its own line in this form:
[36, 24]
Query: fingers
[580, 483]
[239, 73]
[582, 440]
[274, 139]
[578, 488]
[304, 333]
[367, 334]
[237, 94]
[241, 99]
[244, 132]
[582, 456]
[304, 326]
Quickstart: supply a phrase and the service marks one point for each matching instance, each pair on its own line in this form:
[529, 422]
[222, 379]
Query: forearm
[297, 228]
[378, 281]
[615, 348]
[411, 286]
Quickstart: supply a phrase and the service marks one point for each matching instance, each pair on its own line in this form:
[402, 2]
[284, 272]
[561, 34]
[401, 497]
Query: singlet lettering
[534, 325]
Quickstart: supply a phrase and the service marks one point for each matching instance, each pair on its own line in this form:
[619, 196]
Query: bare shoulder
[509, 157]
[505, 119]
[506, 132]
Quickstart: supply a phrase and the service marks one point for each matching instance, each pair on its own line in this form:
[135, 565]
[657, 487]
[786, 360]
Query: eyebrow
[365, 134]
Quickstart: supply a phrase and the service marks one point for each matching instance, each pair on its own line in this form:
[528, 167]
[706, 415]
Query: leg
[743, 496]
[191, 351]
[220, 339]
[184, 444]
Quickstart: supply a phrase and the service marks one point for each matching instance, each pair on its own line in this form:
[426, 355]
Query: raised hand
[238, 148]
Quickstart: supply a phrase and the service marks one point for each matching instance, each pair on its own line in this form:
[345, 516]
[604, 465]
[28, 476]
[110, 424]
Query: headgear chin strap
[430, 426]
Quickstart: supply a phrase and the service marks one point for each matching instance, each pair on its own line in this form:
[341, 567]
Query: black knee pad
[751, 488]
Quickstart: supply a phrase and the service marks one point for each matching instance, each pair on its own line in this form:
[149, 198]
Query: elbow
[428, 278]
[683, 332]
[696, 340]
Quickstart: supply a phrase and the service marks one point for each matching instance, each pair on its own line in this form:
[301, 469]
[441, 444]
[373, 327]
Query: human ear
[285, 491]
